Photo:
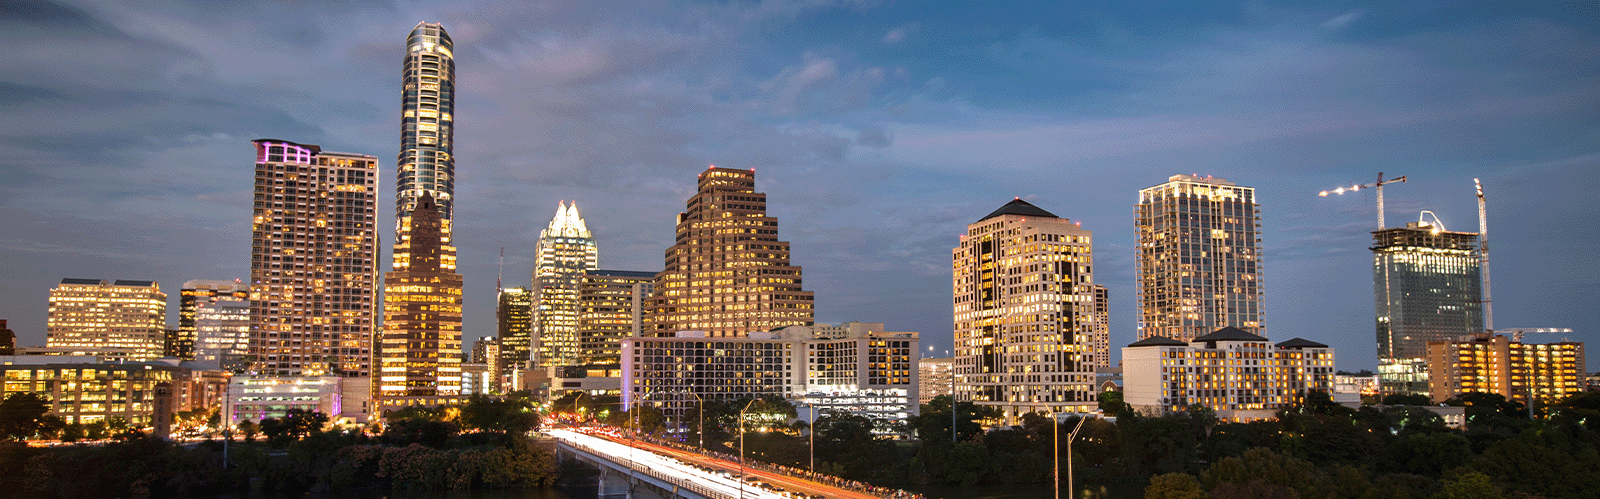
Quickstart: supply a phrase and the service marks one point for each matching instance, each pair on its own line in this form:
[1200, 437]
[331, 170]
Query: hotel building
[91, 315]
[1028, 314]
[565, 251]
[312, 249]
[1199, 260]
[1426, 288]
[727, 274]
[869, 372]
[194, 294]
[1241, 376]
[1493, 363]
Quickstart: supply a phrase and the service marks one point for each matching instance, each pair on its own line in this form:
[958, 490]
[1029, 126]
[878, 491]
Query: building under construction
[1427, 288]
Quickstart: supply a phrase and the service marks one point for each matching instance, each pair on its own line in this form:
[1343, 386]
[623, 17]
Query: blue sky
[878, 130]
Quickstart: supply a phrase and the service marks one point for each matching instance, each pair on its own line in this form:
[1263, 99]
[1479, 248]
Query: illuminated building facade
[936, 377]
[727, 273]
[312, 276]
[514, 319]
[222, 333]
[83, 391]
[427, 122]
[1199, 261]
[421, 341]
[610, 308]
[190, 298]
[1426, 288]
[565, 251]
[1493, 363]
[92, 315]
[1027, 313]
[870, 372]
[1238, 374]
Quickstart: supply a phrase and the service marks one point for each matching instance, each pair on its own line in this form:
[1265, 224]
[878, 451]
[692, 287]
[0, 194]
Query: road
[726, 480]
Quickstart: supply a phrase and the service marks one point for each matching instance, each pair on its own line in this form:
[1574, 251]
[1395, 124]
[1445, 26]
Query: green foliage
[1174, 486]
[1111, 403]
[1406, 399]
[1469, 485]
[934, 419]
[21, 415]
[1264, 473]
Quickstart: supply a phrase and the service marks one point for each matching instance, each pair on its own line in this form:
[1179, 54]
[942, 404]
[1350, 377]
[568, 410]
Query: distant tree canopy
[22, 415]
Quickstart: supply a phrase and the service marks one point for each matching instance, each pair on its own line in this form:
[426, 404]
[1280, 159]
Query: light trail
[721, 483]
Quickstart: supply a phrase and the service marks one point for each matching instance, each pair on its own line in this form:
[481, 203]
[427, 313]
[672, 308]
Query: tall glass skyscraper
[427, 123]
[1426, 287]
[565, 251]
[1199, 262]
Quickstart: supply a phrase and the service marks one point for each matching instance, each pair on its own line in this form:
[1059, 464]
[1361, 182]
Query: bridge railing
[683, 483]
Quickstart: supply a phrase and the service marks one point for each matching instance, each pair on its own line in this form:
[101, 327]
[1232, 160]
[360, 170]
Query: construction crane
[1483, 259]
[1517, 332]
[1375, 185]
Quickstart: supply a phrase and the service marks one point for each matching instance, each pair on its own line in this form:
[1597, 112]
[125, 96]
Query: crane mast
[1483, 258]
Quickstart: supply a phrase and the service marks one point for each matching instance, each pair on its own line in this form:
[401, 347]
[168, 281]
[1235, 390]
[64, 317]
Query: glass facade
[514, 317]
[92, 315]
[565, 251]
[1427, 287]
[195, 294]
[1199, 261]
[610, 307]
[427, 124]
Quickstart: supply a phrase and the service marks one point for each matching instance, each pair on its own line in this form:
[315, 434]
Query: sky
[878, 130]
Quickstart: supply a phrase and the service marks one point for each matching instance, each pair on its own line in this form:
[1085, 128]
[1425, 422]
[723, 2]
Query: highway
[717, 474]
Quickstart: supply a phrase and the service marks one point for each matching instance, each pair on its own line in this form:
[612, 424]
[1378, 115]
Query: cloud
[1344, 20]
[899, 34]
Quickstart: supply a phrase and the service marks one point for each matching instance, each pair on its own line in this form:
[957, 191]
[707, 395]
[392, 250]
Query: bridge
[641, 470]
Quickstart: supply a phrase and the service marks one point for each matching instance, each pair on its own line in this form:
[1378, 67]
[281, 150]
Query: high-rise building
[1199, 261]
[222, 332]
[90, 315]
[565, 251]
[427, 122]
[610, 308]
[421, 340]
[1426, 288]
[190, 298]
[514, 317]
[1493, 363]
[727, 273]
[937, 377]
[312, 250]
[1027, 313]
[1241, 376]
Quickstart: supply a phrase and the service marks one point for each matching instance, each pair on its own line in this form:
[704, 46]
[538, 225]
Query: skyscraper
[312, 250]
[728, 274]
[610, 308]
[1199, 262]
[194, 294]
[1426, 288]
[222, 332]
[427, 123]
[514, 317]
[421, 340]
[91, 315]
[566, 249]
[1028, 316]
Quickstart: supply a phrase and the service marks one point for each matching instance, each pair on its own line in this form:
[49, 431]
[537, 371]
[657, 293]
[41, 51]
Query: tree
[300, 422]
[1469, 485]
[249, 429]
[1406, 399]
[1111, 402]
[20, 415]
[1174, 486]
[934, 420]
[1264, 473]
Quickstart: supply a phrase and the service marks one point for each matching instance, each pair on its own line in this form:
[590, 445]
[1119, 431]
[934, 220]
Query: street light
[1056, 428]
[702, 417]
[741, 445]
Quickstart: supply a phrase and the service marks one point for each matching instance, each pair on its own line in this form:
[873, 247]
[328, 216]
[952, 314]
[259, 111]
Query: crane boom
[1483, 258]
[1375, 185]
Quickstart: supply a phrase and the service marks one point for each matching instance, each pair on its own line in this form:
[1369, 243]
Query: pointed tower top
[567, 223]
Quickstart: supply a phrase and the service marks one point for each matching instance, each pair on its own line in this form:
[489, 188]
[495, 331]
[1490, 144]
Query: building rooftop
[142, 284]
[1301, 343]
[1158, 341]
[90, 282]
[1230, 333]
[1019, 207]
[621, 273]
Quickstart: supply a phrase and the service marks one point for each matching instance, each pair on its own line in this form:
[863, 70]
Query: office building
[222, 334]
[610, 308]
[936, 377]
[1426, 288]
[1240, 375]
[85, 390]
[565, 251]
[514, 319]
[871, 372]
[421, 341]
[727, 273]
[91, 315]
[1494, 363]
[1199, 260]
[193, 294]
[312, 250]
[1028, 314]
[425, 164]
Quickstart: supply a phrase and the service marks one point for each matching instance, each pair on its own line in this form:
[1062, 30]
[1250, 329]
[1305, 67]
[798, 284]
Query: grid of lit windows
[1498, 364]
[91, 314]
[1199, 261]
[427, 125]
[1427, 288]
[1163, 375]
[421, 340]
[565, 251]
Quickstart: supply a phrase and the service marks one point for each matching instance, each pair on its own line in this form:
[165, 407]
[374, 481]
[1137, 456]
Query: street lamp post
[1071, 491]
[702, 418]
[741, 445]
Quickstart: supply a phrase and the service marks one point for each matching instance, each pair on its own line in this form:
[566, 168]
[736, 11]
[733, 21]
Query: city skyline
[874, 146]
